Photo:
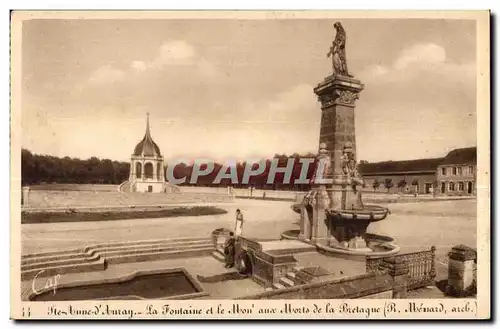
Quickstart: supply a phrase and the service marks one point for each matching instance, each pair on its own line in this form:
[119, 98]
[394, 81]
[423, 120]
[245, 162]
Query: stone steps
[43, 271]
[112, 249]
[96, 257]
[61, 256]
[82, 258]
[278, 286]
[113, 244]
[152, 256]
[218, 254]
[146, 242]
[289, 280]
[116, 254]
[147, 248]
[286, 282]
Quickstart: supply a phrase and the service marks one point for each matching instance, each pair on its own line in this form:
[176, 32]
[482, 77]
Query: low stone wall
[75, 187]
[103, 199]
[267, 268]
[370, 285]
[420, 266]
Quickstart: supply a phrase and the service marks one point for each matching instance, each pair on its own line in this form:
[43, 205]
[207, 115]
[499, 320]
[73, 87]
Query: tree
[388, 184]
[28, 167]
[375, 184]
[401, 184]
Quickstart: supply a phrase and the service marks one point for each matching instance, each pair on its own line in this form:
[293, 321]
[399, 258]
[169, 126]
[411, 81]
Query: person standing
[229, 251]
[239, 223]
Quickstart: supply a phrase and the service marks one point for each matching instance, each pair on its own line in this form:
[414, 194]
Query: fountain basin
[371, 213]
[377, 245]
[174, 283]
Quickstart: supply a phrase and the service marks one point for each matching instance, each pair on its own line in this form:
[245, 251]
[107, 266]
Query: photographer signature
[50, 283]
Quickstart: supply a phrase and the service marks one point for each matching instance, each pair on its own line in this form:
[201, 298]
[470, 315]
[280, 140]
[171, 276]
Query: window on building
[451, 187]
[459, 171]
[138, 169]
[443, 171]
[471, 170]
[148, 170]
[454, 171]
[469, 187]
[461, 186]
[443, 187]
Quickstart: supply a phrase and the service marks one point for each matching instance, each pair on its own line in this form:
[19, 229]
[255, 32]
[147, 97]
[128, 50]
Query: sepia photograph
[245, 165]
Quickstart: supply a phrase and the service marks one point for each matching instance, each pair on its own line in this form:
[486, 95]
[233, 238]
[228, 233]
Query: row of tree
[37, 169]
[388, 184]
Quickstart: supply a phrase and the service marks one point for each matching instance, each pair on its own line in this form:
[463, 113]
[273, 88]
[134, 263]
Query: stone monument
[332, 213]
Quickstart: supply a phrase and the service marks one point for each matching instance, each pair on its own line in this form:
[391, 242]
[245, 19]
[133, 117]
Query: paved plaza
[416, 226]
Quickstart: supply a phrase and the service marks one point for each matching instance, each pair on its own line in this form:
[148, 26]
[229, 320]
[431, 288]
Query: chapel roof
[147, 147]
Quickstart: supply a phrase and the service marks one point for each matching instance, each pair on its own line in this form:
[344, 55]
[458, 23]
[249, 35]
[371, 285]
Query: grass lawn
[58, 217]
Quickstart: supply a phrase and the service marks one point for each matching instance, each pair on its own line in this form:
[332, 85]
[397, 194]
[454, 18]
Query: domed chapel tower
[146, 166]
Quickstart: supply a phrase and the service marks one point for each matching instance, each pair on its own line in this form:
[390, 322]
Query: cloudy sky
[243, 88]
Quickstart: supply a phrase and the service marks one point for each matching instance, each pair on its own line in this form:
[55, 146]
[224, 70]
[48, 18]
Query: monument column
[340, 219]
[338, 95]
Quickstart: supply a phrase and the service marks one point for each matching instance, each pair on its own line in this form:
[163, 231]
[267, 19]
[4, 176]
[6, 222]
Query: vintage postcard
[250, 165]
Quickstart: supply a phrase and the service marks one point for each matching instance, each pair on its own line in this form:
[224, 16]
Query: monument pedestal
[338, 95]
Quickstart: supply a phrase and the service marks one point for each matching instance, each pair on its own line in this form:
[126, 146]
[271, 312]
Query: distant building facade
[410, 176]
[455, 174]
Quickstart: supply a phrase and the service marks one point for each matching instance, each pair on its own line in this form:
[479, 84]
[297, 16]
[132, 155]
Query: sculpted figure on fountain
[350, 167]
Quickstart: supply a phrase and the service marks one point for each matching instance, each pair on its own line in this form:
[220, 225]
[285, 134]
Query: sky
[239, 89]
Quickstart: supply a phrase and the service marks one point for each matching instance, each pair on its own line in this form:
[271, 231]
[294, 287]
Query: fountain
[333, 216]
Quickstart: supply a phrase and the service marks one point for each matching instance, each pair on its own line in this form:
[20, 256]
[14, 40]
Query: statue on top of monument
[337, 52]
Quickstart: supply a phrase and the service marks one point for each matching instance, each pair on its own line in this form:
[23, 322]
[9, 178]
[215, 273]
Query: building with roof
[456, 174]
[453, 174]
[147, 170]
[146, 165]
